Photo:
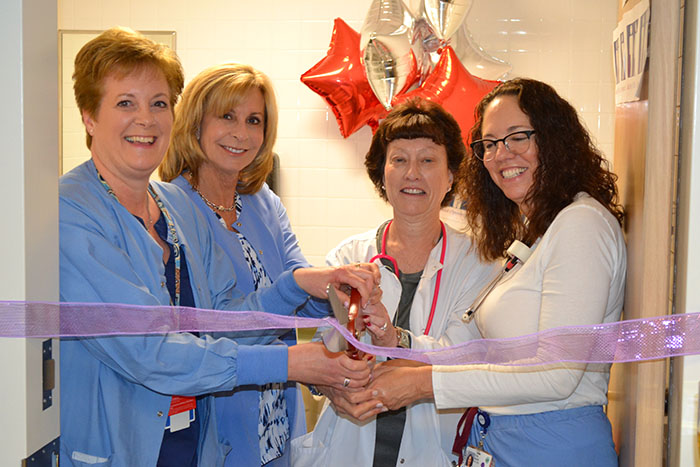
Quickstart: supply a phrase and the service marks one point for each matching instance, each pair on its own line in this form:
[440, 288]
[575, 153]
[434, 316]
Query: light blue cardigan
[115, 391]
[264, 223]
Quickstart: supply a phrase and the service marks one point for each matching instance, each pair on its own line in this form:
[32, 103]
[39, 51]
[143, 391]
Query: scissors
[333, 340]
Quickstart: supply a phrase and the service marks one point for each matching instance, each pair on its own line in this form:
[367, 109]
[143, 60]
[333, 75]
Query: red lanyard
[382, 255]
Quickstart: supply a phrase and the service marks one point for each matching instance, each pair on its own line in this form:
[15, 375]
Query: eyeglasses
[516, 143]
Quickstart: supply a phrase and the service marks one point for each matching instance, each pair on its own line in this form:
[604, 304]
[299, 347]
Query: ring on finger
[383, 328]
[346, 382]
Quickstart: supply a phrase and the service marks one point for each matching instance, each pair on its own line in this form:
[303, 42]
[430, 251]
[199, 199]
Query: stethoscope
[517, 252]
[382, 255]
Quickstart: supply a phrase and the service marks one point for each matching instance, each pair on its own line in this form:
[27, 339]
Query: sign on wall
[630, 42]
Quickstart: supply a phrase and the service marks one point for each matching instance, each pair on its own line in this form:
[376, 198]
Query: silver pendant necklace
[216, 207]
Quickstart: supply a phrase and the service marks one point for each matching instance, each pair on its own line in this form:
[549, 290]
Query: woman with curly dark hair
[567, 163]
[535, 176]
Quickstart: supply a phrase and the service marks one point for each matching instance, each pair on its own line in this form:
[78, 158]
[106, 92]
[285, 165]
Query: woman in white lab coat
[430, 275]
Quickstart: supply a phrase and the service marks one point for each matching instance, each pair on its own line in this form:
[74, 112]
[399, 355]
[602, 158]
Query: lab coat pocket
[337, 441]
[313, 449]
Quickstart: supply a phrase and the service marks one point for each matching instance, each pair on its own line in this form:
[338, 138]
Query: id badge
[475, 457]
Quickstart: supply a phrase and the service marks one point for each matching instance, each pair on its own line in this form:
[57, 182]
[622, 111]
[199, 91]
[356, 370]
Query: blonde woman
[221, 154]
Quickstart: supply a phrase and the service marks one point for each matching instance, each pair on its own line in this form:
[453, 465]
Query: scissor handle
[353, 312]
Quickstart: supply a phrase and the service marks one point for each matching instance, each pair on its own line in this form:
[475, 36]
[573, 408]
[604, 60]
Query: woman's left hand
[375, 319]
[356, 403]
[398, 383]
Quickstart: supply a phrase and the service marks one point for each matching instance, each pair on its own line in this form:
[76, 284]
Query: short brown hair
[413, 119]
[217, 90]
[568, 163]
[120, 51]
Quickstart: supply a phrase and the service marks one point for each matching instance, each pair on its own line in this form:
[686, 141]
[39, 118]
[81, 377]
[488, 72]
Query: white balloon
[446, 16]
[386, 48]
[475, 59]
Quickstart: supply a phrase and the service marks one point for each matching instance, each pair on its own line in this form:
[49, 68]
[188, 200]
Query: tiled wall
[323, 184]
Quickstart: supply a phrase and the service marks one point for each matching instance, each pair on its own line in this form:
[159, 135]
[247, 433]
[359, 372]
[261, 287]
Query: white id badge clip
[182, 413]
[474, 457]
[179, 421]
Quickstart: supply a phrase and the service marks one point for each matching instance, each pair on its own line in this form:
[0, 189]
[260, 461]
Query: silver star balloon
[385, 47]
[400, 46]
[448, 19]
[446, 16]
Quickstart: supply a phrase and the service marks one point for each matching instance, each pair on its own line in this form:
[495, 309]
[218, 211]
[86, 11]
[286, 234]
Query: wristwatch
[403, 338]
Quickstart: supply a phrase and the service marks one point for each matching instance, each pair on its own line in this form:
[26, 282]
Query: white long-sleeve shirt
[575, 276]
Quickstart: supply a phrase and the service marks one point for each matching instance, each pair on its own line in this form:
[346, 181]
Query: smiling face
[232, 140]
[131, 130]
[513, 174]
[416, 176]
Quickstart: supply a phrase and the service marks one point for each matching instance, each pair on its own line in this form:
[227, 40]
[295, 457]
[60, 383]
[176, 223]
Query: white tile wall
[323, 184]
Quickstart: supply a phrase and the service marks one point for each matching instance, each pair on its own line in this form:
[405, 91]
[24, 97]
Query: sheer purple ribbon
[622, 341]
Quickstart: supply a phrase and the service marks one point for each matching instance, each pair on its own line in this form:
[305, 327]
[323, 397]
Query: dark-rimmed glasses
[517, 143]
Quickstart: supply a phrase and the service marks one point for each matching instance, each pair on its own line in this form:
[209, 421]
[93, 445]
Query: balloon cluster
[399, 55]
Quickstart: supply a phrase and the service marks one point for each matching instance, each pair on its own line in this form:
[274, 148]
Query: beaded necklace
[171, 229]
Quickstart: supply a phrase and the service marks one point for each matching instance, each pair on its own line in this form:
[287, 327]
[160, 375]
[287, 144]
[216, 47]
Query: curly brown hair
[568, 163]
[413, 119]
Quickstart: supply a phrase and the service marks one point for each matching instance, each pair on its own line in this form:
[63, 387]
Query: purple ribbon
[621, 341]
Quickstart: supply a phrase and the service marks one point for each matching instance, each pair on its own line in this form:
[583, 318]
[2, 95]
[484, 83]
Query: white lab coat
[428, 432]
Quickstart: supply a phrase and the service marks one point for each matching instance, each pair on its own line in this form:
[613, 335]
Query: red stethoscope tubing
[436, 291]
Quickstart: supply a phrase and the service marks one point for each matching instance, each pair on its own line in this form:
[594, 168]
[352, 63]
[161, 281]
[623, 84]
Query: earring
[383, 188]
[197, 133]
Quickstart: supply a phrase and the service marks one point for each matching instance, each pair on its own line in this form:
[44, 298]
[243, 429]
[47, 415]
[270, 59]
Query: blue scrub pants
[571, 437]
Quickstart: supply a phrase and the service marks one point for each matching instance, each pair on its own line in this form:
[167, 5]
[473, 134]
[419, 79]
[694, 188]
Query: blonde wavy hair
[217, 90]
[120, 51]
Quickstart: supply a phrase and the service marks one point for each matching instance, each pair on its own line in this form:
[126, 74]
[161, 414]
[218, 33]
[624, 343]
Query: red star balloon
[340, 79]
[453, 87]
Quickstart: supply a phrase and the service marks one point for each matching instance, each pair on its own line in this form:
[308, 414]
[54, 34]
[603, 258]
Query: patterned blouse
[273, 425]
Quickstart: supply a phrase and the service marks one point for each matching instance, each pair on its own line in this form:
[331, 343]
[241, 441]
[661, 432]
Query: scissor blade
[339, 311]
[335, 342]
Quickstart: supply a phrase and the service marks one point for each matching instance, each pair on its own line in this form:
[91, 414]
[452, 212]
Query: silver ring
[383, 328]
[346, 382]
